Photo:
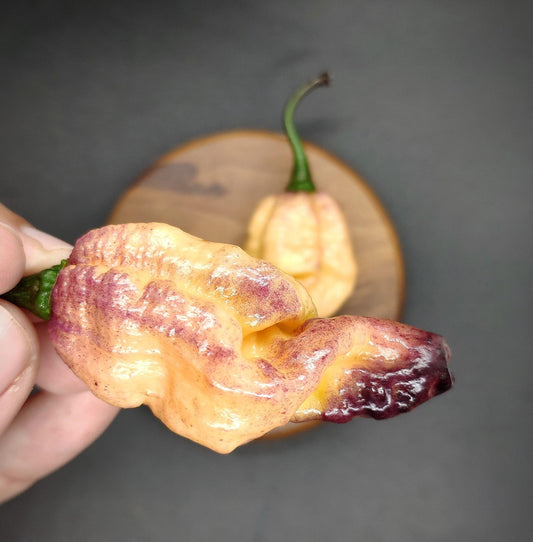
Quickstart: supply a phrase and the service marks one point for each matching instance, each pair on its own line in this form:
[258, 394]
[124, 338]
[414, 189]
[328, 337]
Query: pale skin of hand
[41, 433]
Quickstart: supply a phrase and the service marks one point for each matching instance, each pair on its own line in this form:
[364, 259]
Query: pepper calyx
[34, 291]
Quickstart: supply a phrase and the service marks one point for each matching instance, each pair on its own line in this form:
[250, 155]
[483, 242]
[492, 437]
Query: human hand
[41, 433]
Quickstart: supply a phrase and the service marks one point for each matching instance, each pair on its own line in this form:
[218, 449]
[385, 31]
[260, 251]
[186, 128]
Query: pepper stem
[34, 291]
[300, 180]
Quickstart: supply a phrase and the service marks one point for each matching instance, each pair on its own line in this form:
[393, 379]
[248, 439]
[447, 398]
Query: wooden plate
[210, 186]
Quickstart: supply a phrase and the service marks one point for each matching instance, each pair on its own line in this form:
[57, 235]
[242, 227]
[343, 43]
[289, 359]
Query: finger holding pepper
[303, 231]
[47, 415]
[224, 347]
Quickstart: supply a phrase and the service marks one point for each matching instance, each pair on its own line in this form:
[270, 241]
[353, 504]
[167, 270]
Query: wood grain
[209, 188]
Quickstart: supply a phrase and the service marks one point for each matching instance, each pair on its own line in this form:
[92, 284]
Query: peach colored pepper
[303, 231]
[224, 347]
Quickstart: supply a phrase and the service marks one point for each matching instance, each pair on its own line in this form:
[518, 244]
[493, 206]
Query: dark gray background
[432, 104]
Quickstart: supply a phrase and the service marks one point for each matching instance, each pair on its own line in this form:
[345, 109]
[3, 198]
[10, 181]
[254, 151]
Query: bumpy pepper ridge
[390, 368]
[221, 346]
[164, 325]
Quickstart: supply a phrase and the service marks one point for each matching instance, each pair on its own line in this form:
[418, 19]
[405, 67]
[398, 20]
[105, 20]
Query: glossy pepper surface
[303, 231]
[224, 347]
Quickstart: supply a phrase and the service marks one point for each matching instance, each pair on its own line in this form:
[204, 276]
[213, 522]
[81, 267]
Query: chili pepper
[303, 231]
[224, 347]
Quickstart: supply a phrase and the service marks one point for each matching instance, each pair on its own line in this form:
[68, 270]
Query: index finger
[23, 250]
[12, 258]
[39, 250]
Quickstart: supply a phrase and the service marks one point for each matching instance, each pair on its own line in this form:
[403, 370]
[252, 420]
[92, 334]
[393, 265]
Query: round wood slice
[210, 187]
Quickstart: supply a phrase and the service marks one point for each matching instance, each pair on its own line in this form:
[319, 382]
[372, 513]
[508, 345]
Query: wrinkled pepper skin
[224, 347]
[305, 234]
[389, 369]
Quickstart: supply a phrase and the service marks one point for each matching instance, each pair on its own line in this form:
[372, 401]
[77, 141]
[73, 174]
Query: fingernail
[42, 250]
[47, 241]
[10, 228]
[12, 257]
[17, 352]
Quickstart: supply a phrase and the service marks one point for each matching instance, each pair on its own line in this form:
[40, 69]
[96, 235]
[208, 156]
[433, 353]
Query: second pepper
[303, 231]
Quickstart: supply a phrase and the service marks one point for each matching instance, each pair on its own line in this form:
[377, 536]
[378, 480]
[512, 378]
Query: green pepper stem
[34, 291]
[300, 180]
